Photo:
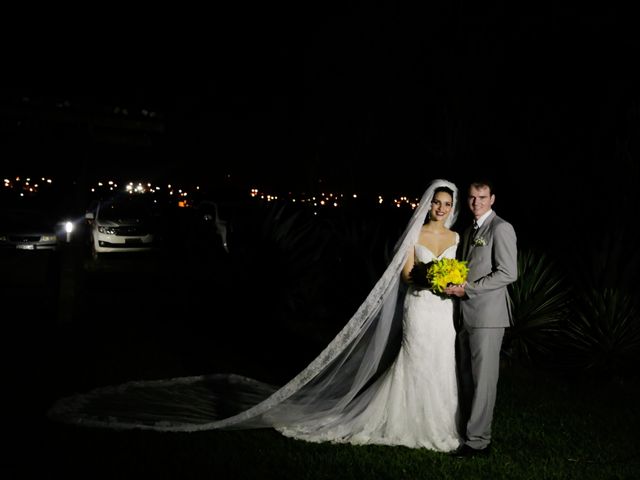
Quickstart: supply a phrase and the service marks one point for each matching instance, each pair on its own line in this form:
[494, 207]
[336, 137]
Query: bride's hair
[442, 189]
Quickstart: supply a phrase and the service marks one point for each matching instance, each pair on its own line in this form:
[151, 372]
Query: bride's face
[441, 206]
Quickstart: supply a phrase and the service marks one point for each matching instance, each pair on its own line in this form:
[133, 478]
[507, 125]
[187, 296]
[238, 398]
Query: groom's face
[480, 200]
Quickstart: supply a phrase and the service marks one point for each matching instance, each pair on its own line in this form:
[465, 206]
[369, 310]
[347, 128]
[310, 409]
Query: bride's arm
[408, 265]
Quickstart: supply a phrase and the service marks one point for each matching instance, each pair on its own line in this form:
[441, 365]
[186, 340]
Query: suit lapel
[468, 233]
[486, 225]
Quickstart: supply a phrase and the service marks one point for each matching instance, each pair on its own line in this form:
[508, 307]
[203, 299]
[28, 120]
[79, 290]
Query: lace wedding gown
[415, 402]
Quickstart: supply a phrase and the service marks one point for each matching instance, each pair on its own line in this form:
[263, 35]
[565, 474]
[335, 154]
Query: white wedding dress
[415, 402]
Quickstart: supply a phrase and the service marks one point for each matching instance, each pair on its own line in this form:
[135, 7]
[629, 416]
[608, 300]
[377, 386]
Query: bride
[349, 393]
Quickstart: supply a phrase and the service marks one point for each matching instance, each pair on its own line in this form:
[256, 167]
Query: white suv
[123, 224]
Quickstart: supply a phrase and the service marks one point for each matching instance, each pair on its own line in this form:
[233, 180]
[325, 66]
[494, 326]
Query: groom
[489, 246]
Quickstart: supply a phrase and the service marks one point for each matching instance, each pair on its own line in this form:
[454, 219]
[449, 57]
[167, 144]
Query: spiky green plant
[539, 302]
[603, 333]
[359, 245]
[282, 258]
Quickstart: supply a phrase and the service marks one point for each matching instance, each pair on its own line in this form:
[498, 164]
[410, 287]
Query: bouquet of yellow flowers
[438, 274]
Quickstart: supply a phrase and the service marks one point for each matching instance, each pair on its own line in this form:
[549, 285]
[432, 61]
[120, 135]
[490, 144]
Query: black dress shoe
[465, 451]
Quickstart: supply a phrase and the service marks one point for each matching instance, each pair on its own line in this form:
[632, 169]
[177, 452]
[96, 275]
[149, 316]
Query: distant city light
[325, 199]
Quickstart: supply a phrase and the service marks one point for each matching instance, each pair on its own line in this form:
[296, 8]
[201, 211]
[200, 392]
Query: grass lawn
[544, 428]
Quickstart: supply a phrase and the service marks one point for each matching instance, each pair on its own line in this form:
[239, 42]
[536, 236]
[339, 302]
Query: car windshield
[23, 220]
[128, 208]
[29, 213]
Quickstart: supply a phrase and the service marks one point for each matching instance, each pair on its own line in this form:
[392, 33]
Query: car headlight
[107, 230]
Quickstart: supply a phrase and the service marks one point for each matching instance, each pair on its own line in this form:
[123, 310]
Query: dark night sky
[283, 97]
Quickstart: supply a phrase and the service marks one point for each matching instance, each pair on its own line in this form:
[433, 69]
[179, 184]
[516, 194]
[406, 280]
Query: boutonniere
[479, 242]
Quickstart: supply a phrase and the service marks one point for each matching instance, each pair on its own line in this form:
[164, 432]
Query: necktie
[474, 232]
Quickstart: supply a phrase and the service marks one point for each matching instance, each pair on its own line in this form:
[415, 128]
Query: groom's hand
[455, 290]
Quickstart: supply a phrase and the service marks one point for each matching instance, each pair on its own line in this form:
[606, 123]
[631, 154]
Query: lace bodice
[423, 254]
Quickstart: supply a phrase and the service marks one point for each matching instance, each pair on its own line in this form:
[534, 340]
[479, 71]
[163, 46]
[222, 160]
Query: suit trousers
[478, 351]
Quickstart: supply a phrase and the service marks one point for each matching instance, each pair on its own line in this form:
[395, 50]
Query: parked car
[38, 220]
[24, 229]
[124, 224]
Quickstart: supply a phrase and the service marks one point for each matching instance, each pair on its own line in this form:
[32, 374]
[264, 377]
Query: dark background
[351, 96]
[347, 97]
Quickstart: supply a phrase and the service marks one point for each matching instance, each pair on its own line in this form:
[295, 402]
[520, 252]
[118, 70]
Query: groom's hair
[483, 182]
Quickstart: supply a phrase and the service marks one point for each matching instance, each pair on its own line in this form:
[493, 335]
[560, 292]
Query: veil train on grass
[324, 389]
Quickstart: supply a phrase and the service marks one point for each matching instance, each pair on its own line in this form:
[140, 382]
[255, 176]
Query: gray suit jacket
[492, 257]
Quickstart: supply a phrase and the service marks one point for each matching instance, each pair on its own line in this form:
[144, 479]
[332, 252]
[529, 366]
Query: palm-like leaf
[360, 246]
[539, 302]
[284, 257]
[604, 331]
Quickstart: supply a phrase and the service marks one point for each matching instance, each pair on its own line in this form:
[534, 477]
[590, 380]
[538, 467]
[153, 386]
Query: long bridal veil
[323, 391]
